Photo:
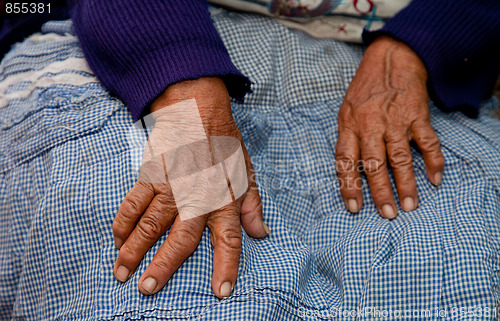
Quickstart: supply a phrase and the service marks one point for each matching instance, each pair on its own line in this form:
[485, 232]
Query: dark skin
[386, 107]
[149, 209]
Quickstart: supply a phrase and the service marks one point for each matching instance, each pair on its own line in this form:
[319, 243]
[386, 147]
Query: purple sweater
[138, 48]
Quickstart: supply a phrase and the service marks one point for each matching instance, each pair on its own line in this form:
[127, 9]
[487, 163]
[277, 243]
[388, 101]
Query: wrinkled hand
[386, 107]
[149, 209]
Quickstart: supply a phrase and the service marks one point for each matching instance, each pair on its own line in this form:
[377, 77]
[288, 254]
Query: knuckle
[165, 204]
[380, 192]
[350, 187]
[345, 118]
[438, 163]
[429, 142]
[255, 211]
[251, 204]
[345, 163]
[163, 192]
[119, 229]
[184, 239]
[129, 208]
[160, 263]
[150, 227]
[373, 165]
[400, 157]
[129, 257]
[152, 172]
[145, 187]
[229, 238]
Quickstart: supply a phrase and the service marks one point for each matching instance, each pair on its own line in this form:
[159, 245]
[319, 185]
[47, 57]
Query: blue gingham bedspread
[65, 166]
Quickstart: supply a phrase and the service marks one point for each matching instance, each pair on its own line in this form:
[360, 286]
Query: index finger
[373, 152]
[347, 158]
[131, 209]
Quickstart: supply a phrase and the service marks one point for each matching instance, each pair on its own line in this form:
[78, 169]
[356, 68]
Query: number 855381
[26, 7]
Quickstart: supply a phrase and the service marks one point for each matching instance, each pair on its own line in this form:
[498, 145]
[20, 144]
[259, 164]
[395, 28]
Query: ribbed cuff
[137, 50]
[149, 76]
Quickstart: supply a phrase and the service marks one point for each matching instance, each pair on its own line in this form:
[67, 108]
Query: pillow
[337, 19]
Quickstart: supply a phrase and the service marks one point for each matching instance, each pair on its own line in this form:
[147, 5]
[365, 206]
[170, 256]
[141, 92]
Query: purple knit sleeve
[459, 43]
[138, 48]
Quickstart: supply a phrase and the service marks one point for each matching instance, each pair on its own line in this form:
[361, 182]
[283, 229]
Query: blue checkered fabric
[65, 166]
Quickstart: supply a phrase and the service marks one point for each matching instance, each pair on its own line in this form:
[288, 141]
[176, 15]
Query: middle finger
[152, 225]
[373, 154]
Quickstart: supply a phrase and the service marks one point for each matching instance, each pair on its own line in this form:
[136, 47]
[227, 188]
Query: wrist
[398, 54]
[209, 92]
[212, 100]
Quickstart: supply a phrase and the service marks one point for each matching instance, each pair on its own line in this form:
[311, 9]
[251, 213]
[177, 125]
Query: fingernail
[225, 289]
[352, 206]
[438, 177]
[408, 204]
[118, 242]
[388, 211]
[122, 273]
[266, 228]
[149, 285]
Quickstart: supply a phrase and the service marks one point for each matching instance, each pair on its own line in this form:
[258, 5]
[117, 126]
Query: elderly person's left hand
[386, 107]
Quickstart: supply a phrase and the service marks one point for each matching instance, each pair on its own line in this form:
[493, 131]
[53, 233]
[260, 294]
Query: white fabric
[338, 19]
[48, 76]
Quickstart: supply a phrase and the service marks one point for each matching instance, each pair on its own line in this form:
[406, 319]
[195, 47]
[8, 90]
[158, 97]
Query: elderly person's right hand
[386, 107]
[149, 209]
